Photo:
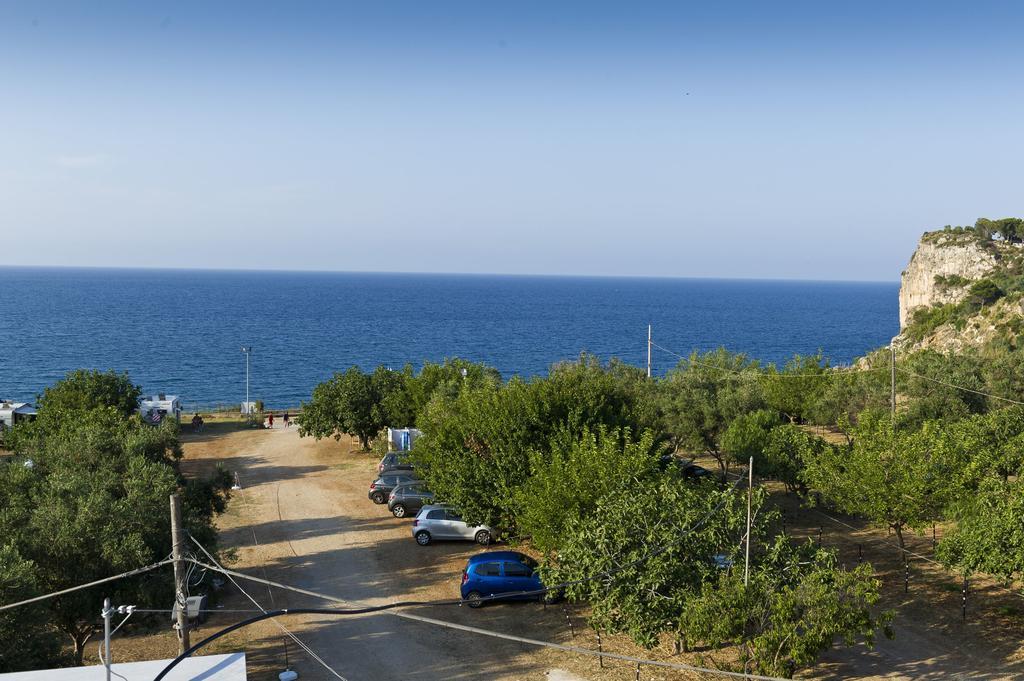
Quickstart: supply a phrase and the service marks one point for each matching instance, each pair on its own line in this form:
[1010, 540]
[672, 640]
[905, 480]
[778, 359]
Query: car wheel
[423, 538]
[483, 537]
[378, 497]
[474, 599]
[398, 510]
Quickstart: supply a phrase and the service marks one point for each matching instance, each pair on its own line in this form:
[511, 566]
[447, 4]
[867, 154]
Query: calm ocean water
[180, 332]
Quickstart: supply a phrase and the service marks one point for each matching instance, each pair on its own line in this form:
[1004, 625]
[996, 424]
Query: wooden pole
[178, 554]
[648, 351]
[750, 491]
[892, 378]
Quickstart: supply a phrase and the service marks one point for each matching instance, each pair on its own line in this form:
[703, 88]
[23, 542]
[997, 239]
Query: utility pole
[247, 349]
[178, 554]
[107, 612]
[750, 492]
[648, 351]
[892, 377]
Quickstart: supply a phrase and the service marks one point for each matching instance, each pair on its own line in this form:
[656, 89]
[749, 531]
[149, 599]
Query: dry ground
[302, 518]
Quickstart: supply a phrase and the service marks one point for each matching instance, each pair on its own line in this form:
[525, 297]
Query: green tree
[747, 435]
[984, 292]
[797, 604]
[702, 396]
[656, 547]
[348, 403]
[796, 390]
[83, 389]
[889, 476]
[569, 478]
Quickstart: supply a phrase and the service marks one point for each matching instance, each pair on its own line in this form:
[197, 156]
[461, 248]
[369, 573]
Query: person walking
[270, 420]
[287, 420]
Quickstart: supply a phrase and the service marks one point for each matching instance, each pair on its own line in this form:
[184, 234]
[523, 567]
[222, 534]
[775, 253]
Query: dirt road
[302, 518]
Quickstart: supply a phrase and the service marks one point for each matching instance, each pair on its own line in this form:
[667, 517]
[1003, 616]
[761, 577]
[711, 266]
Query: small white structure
[15, 412]
[230, 667]
[402, 439]
[154, 408]
[248, 408]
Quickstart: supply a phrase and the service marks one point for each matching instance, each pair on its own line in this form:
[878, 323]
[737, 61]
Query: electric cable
[958, 387]
[284, 629]
[461, 627]
[123, 575]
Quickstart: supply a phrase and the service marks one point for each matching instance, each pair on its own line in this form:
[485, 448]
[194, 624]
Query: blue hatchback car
[496, 573]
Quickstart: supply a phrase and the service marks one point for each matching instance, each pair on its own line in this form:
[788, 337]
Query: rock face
[941, 255]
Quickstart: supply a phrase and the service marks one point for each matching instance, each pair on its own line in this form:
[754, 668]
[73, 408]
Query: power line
[123, 575]
[295, 638]
[585, 651]
[462, 627]
[959, 387]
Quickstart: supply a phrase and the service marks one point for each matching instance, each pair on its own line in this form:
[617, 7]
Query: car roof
[497, 555]
[434, 507]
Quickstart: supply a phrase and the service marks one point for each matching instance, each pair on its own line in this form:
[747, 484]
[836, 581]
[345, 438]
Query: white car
[441, 522]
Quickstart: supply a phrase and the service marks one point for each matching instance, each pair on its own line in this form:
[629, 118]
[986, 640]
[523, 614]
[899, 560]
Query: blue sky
[783, 140]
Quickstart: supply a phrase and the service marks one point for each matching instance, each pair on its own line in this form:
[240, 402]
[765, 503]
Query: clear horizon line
[440, 274]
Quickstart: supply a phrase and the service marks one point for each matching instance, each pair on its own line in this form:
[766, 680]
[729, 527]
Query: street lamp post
[247, 349]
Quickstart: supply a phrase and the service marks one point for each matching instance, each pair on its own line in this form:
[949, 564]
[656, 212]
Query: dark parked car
[408, 499]
[502, 574]
[393, 462]
[688, 469]
[382, 486]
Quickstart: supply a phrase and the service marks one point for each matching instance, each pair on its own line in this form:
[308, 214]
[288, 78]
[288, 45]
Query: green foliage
[984, 292]
[988, 535]
[798, 603]
[476, 448]
[648, 594]
[925, 320]
[569, 479]
[26, 642]
[701, 397]
[1007, 229]
[797, 389]
[86, 496]
[786, 453]
[930, 400]
[347, 403]
[362, 405]
[747, 435]
[951, 281]
[83, 390]
[892, 477]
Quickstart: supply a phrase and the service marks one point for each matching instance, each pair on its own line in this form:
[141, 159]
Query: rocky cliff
[941, 270]
[964, 288]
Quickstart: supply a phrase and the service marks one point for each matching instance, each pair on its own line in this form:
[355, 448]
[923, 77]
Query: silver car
[441, 522]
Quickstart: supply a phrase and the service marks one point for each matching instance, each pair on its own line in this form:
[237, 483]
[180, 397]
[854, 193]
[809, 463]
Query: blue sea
[180, 331]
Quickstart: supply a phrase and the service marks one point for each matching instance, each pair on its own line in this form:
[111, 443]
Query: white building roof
[19, 407]
[158, 398]
[229, 667]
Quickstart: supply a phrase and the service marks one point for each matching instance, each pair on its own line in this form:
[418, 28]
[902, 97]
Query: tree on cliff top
[1007, 229]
